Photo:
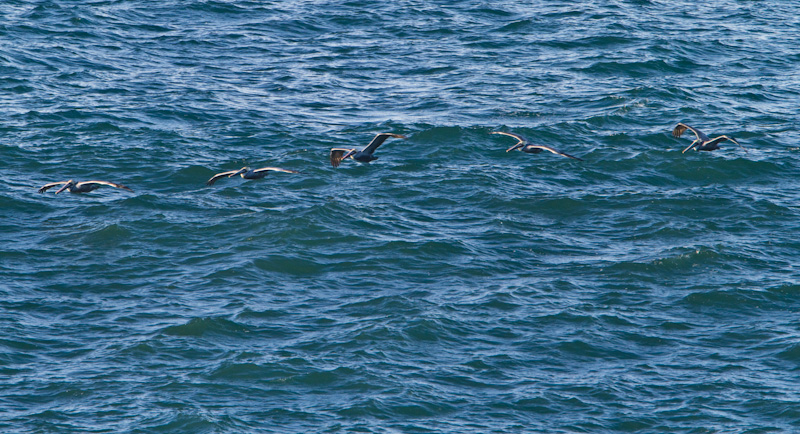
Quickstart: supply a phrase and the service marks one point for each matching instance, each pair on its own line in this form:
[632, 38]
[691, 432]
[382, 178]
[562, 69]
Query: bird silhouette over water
[80, 187]
[247, 173]
[525, 146]
[364, 155]
[702, 142]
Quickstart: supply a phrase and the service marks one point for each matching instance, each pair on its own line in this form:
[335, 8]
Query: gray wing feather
[555, 151]
[516, 136]
[274, 169]
[218, 176]
[46, 187]
[378, 140]
[338, 154]
[721, 138]
[681, 127]
[111, 184]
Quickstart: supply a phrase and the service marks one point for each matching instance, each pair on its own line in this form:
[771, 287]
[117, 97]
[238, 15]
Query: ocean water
[449, 286]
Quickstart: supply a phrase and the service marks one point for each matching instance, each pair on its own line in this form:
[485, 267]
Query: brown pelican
[80, 187]
[364, 155]
[525, 146]
[247, 173]
[702, 142]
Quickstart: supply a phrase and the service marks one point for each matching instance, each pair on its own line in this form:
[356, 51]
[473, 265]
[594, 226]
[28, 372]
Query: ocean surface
[449, 286]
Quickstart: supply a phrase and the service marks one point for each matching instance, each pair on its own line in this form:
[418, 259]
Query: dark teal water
[448, 287]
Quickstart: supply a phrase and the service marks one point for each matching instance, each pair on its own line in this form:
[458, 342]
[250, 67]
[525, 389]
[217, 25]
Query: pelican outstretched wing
[681, 127]
[110, 184]
[274, 169]
[339, 154]
[695, 143]
[555, 151]
[716, 140]
[521, 141]
[51, 185]
[378, 140]
[516, 136]
[220, 175]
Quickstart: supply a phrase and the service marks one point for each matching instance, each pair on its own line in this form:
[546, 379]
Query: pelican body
[248, 173]
[364, 155]
[525, 146]
[702, 142]
[80, 187]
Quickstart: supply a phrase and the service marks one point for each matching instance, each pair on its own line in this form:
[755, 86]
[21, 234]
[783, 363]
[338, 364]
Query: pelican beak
[689, 147]
[66, 186]
[239, 172]
[517, 146]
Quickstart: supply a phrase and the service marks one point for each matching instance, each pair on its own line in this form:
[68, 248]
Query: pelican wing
[520, 140]
[721, 138]
[695, 143]
[681, 127]
[51, 185]
[220, 175]
[339, 154]
[555, 151]
[378, 140]
[516, 136]
[110, 184]
[274, 169]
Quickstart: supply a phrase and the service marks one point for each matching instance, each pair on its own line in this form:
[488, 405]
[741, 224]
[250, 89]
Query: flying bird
[364, 155]
[702, 142]
[80, 187]
[525, 146]
[247, 173]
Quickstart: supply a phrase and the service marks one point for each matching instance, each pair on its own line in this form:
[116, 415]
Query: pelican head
[517, 146]
[69, 184]
[241, 171]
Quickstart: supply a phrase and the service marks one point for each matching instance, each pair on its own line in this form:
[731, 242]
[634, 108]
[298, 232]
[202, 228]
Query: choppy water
[447, 287]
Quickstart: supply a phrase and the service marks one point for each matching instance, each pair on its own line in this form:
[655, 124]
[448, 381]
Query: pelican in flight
[248, 173]
[364, 155]
[702, 142]
[80, 187]
[525, 146]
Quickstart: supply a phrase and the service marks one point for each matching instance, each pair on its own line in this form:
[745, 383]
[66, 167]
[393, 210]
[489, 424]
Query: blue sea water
[449, 286]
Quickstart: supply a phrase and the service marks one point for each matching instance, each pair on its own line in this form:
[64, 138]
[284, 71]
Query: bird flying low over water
[80, 187]
[364, 155]
[525, 146]
[247, 173]
[702, 142]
